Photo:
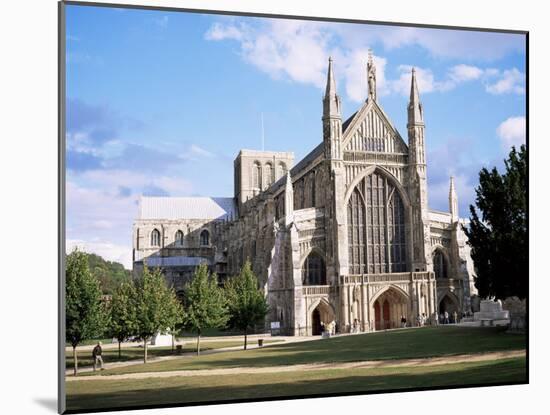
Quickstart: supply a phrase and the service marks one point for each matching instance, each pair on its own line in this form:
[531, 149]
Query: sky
[159, 103]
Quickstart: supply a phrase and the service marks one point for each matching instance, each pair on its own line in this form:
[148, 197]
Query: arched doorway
[449, 305]
[389, 307]
[322, 315]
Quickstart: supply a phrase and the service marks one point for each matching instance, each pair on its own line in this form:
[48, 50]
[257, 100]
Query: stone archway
[449, 304]
[322, 315]
[389, 307]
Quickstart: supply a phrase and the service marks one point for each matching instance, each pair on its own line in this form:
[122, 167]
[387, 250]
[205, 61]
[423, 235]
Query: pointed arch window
[155, 237]
[179, 238]
[281, 170]
[314, 270]
[376, 227]
[257, 175]
[440, 265]
[268, 174]
[205, 238]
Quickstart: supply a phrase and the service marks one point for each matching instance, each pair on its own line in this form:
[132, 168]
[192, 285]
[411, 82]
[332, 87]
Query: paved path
[430, 361]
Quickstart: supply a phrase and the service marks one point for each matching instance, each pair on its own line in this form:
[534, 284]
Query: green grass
[106, 393]
[136, 352]
[399, 344]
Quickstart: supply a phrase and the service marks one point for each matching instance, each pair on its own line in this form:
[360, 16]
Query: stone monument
[491, 313]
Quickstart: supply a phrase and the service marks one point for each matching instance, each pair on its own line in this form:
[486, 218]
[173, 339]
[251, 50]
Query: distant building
[345, 235]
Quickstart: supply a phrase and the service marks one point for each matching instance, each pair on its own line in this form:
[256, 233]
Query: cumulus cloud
[297, 51]
[512, 132]
[508, 81]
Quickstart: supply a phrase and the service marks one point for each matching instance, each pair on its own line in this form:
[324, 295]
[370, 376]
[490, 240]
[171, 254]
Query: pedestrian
[455, 317]
[419, 320]
[403, 322]
[435, 319]
[96, 356]
[446, 318]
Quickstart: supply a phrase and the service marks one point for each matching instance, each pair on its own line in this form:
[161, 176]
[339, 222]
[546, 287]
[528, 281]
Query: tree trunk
[119, 350]
[245, 339]
[172, 342]
[198, 343]
[145, 350]
[75, 361]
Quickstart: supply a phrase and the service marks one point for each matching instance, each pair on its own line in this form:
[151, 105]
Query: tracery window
[155, 238]
[179, 238]
[376, 227]
[314, 271]
[440, 265]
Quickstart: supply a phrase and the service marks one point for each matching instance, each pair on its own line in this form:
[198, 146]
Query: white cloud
[462, 72]
[511, 81]
[105, 249]
[298, 51]
[512, 132]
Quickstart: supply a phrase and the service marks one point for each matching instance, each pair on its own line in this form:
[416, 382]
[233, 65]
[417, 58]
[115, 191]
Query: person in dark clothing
[96, 355]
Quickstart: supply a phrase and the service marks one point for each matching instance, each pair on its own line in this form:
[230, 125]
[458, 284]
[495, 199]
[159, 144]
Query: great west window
[376, 227]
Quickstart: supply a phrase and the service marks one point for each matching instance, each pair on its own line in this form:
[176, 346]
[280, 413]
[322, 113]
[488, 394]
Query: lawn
[105, 393]
[136, 352]
[399, 344]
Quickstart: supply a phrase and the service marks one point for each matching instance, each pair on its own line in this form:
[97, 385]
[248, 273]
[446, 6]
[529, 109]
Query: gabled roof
[186, 207]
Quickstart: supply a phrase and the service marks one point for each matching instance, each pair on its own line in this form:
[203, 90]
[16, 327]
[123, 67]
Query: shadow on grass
[401, 344]
[208, 389]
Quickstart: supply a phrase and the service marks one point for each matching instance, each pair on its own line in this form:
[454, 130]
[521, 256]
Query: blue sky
[159, 103]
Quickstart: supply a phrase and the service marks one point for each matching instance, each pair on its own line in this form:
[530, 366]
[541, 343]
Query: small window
[205, 238]
[179, 238]
[155, 238]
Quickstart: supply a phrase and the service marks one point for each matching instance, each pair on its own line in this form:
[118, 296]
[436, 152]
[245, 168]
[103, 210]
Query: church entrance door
[316, 322]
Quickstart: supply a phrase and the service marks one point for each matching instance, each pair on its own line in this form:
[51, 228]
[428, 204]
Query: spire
[289, 200]
[453, 201]
[416, 115]
[371, 75]
[331, 101]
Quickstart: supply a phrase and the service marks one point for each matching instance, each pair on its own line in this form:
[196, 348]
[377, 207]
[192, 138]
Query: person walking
[403, 322]
[96, 355]
[446, 318]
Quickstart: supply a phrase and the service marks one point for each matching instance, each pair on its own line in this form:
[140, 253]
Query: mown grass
[136, 352]
[105, 393]
[399, 344]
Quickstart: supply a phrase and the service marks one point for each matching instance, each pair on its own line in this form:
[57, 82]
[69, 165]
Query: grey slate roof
[186, 207]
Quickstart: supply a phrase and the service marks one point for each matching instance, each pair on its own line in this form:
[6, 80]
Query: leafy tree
[205, 304]
[122, 313]
[110, 274]
[154, 305]
[84, 310]
[174, 313]
[499, 238]
[246, 302]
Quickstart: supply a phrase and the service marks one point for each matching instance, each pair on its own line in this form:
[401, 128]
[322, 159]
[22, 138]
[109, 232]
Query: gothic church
[344, 236]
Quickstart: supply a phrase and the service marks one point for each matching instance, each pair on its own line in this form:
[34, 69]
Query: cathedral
[342, 238]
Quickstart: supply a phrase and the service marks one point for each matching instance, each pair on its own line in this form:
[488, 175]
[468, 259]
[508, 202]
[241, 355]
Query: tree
[110, 274]
[499, 238]
[154, 305]
[122, 313]
[84, 310]
[246, 302]
[174, 313]
[205, 304]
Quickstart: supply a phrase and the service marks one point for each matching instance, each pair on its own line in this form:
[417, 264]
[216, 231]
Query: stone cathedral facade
[343, 236]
